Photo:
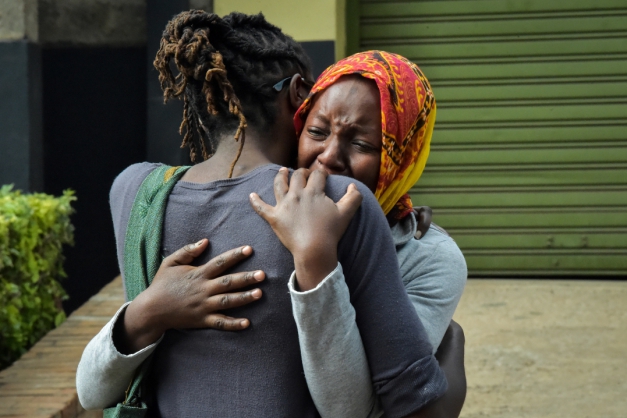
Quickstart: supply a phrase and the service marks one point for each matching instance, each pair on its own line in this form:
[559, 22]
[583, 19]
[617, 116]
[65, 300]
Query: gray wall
[80, 101]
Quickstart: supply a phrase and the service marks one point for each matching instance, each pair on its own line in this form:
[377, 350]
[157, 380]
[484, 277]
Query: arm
[330, 341]
[103, 373]
[110, 359]
[334, 359]
[404, 372]
[434, 273]
[451, 358]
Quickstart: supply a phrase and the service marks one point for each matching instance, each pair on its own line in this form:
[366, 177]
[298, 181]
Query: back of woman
[258, 371]
[208, 372]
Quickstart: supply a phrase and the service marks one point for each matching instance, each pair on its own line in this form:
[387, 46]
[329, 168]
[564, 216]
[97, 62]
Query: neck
[258, 150]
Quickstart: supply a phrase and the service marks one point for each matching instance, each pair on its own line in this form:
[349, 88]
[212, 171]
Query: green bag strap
[142, 245]
[142, 258]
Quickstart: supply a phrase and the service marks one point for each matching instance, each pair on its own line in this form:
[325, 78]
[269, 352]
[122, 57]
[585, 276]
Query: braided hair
[225, 71]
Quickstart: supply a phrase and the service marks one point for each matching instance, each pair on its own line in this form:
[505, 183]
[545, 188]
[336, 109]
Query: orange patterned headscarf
[407, 118]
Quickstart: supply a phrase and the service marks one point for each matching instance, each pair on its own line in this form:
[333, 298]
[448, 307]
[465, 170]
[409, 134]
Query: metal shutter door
[528, 169]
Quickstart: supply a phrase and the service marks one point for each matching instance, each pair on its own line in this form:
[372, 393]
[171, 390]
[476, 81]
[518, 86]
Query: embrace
[313, 288]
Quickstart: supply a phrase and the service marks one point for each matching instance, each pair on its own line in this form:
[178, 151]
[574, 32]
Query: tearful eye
[316, 133]
[365, 147]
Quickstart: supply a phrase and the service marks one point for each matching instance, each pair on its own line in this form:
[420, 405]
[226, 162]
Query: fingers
[280, 184]
[226, 323]
[299, 179]
[262, 208]
[185, 255]
[233, 300]
[224, 261]
[317, 181]
[424, 215]
[235, 281]
[349, 203]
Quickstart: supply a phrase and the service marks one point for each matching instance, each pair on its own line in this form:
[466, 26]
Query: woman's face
[342, 133]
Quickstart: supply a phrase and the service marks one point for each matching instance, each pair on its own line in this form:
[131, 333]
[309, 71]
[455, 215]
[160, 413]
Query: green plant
[33, 229]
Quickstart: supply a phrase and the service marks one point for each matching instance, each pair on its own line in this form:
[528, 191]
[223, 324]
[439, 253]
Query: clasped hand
[308, 223]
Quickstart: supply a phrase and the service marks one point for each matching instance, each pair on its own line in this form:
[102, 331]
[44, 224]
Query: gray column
[21, 154]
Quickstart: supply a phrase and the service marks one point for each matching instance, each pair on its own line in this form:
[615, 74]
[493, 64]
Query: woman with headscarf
[371, 117]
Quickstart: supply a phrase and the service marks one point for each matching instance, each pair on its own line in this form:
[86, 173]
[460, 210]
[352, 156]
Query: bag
[142, 258]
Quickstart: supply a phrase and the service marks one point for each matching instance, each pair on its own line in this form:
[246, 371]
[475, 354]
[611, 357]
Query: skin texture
[341, 138]
[317, 229]
[182, 296]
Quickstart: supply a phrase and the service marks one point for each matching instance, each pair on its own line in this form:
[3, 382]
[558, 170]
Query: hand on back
[184, 296]
[308, 222]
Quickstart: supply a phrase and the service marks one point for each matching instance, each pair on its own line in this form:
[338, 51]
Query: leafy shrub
[33, 229]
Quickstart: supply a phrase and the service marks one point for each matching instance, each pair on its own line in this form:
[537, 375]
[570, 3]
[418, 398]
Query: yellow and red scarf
[407, 118]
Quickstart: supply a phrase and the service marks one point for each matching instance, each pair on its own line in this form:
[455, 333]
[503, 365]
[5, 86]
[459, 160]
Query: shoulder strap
[142, 257]
[142, 244]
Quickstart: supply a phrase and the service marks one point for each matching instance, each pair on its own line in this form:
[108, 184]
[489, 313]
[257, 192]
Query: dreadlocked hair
[226, 68]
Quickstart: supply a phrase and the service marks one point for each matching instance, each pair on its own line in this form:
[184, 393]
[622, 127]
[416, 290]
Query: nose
[332, 159]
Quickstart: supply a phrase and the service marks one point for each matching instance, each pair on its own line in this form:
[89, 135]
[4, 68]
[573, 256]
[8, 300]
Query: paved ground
[42, 382]
[533, 349]
[545, 348]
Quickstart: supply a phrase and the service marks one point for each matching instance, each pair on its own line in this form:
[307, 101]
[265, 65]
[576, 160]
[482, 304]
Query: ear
[298, 91]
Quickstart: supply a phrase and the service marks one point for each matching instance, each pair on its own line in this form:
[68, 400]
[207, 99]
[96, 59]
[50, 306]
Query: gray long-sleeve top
[434, 274]
[382, 346]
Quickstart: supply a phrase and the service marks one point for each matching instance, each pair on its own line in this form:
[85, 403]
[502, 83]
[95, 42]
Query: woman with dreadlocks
[233, 77]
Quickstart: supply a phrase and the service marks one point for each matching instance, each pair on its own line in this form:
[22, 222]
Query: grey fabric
[258, 372]
[434, 273]
[103, 374]
[334, 359]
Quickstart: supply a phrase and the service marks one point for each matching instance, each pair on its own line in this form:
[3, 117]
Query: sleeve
[103, 373]
[333, 355]
[405, 374]
[435, 287]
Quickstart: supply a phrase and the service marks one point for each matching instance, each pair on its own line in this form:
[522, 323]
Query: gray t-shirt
[258, 372]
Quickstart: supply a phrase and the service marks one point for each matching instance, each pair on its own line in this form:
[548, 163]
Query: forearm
[451, 358]
[333, 355]
[134, 330]
[312, 266]
[103, 373]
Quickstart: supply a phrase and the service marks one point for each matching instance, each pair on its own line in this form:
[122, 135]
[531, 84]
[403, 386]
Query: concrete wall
[73, 114]
[90, 22]
[18, 20]
[80, 101]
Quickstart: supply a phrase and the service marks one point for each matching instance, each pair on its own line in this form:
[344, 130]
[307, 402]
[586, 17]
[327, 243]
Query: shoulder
[435, 253]
[124, 189]
[337, 186]
[131, 177]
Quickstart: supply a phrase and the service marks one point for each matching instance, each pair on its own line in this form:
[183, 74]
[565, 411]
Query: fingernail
[282, 169]
[256, 293]
[199, 243]
[258, 275]
[247, 250]
[243, 323]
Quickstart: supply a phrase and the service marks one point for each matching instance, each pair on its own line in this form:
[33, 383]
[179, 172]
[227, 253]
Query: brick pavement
[42, 382]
